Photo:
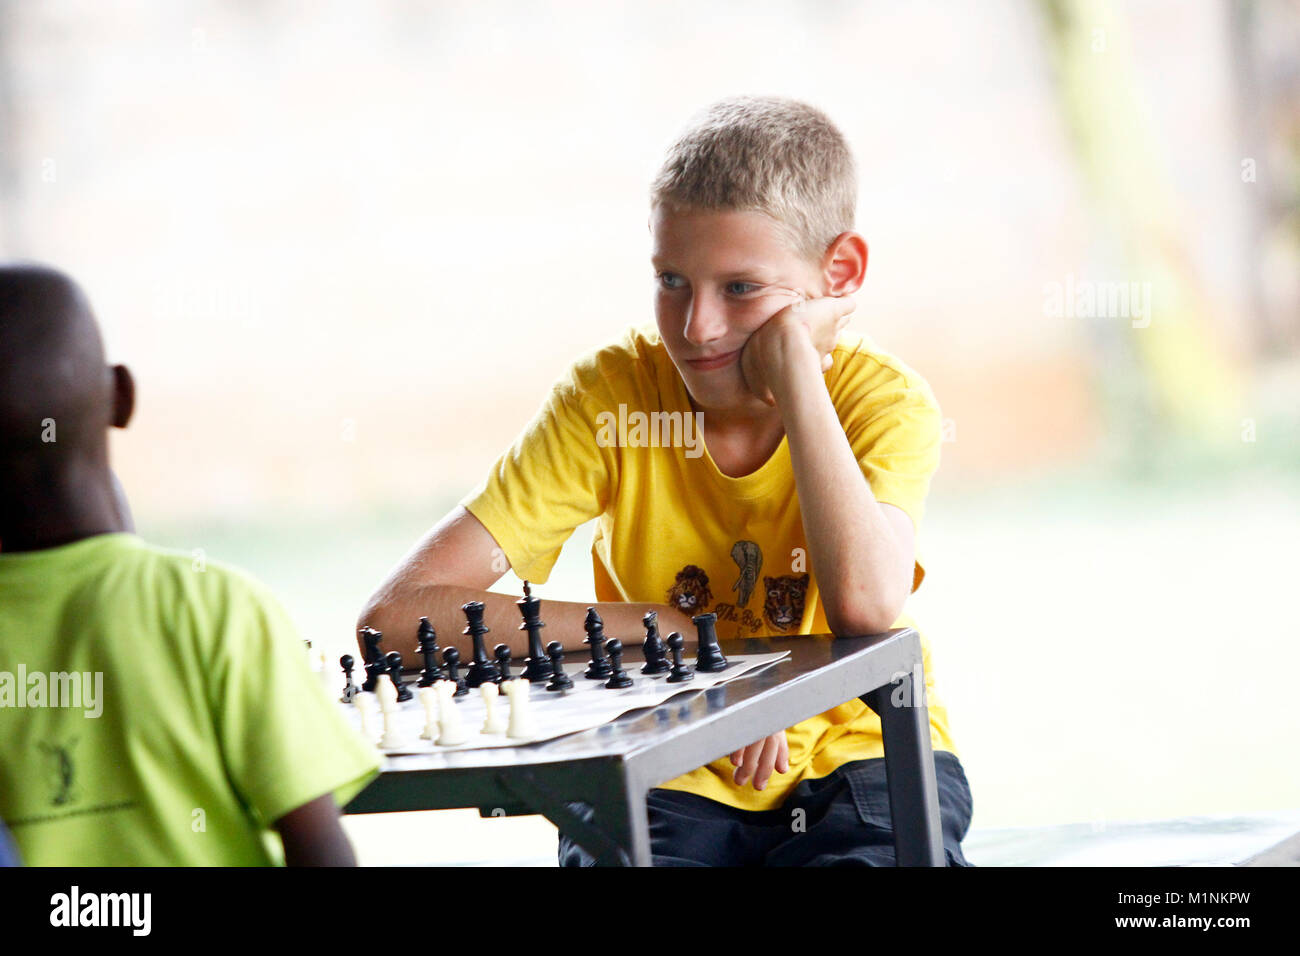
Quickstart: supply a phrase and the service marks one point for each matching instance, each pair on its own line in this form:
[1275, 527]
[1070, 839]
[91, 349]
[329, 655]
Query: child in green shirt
[154, 710]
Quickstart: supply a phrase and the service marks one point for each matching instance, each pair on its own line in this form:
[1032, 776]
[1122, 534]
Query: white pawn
[393, 738]
[521, 719]
[449, 720]
[429, 698]
[493, 723]
[365, 705]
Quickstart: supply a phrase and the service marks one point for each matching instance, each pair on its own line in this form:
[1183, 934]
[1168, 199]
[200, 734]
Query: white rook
[392, 739]
[429, 698]
[365, 705]
[493, 723]
[521, 721]
[449, 720]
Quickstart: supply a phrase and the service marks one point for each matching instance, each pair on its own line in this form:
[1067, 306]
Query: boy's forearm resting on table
[399, 613]
[852, 547]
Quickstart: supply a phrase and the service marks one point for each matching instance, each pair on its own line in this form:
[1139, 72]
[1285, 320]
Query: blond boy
[748, 458]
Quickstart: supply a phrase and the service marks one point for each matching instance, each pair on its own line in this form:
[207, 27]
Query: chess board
[556, 713]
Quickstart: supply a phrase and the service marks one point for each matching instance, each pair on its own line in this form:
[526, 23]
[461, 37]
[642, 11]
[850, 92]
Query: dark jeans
[839, 820]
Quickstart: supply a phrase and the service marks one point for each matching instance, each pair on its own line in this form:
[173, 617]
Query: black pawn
[537, 666]
[599, 668]
[618, 677]
[681, 672]
[394, 662]
[503, 663]
[656, 652]
[559, 679]
[481, 670]
[350, 689]
[451, 657]
[374, 657]
[427, 638]
[708, 656]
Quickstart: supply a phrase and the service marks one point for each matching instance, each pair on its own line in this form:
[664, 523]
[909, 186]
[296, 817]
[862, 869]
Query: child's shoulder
[862, 369]
[627, 364]
[858, 355]
[183, 581]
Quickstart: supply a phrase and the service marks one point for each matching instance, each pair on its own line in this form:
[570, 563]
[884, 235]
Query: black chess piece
[481, 670]
[451, 657]
[394, 662]
[708, 656]
[656, 652]
[427, 645]
[537, 666]
[374, 657]
[370, 639]
[599, 668]
[618, 677]
[681, 672]
[350, 689]
[427, 639]
[503, 656]
[559, 679]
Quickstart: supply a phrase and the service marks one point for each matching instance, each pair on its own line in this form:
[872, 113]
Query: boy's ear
[845, 264]
[123, 396]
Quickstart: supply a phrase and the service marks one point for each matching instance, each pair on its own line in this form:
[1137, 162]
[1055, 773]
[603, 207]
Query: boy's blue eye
[670, 280]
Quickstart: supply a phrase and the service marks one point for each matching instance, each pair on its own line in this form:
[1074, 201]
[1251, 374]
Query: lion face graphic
[785, 598]
[690, 594]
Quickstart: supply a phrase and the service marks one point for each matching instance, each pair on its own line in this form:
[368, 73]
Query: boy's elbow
[369, 615]
[856, 624]
[855, 618]
[396, 606]
[377, 613]
[392, 594]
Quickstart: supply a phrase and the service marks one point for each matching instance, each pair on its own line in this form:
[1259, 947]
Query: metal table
[611, 767]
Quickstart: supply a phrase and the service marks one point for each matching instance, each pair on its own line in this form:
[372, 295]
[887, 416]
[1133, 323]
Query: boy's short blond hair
[767, 154]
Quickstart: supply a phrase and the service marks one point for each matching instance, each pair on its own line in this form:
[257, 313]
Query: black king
[538, 666]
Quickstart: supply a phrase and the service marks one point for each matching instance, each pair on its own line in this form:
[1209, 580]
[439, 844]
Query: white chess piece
[449, 719]
[364, 702]
[429, 698]
[493, 723]
[393, 738]
[521, 720]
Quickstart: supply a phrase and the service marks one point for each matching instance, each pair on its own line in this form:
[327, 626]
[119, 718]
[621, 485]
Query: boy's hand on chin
[803, 329]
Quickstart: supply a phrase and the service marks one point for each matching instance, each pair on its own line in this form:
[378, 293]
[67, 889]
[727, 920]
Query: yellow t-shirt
[613, 442]
[182, 719]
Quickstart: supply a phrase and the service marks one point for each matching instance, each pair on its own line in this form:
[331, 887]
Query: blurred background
[347, 247]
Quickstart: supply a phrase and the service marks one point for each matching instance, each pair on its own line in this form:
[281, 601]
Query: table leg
[604, 813]
[909, 766]
[629, 823]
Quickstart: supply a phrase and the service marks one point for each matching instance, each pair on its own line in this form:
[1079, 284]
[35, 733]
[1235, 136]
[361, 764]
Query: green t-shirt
[156, 710]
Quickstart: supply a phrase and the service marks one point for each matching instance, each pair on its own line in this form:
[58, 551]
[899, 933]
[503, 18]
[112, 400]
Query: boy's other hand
[757, 761]
[803, 328]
